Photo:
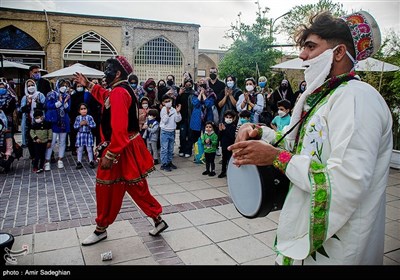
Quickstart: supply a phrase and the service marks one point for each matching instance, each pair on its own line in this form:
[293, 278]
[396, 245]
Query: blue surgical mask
[262, 84]
[36, 76]
[3, 91]
[134, 86]
[243, 120]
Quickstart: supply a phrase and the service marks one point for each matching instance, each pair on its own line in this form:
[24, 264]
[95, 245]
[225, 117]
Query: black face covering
[170, 82]
[213, 76]
[110, 74]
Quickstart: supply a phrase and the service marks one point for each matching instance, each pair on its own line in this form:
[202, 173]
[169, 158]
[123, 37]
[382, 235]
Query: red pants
[109, 200]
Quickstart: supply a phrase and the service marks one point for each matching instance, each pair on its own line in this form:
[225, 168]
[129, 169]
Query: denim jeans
[167, 146]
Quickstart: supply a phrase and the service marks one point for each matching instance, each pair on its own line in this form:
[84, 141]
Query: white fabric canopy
[12, 64]
[69, 72]
[369, 65]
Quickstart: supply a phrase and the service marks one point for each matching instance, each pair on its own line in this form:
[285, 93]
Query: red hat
[124, 63]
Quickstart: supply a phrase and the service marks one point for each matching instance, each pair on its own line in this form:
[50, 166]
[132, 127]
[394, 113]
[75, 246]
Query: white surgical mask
[230, 84]
[38, 120]
[228, 121]
[168, 104]
[63, 89]
[249, 88]
[150, 118]
[31, 89]
[145, 106]
[318, 69]
[281, 113]
[79, 89]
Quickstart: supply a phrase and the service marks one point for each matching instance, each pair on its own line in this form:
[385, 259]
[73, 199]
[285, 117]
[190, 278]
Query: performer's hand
[255, 152]
[81, 79]
[106, 163]
[246, 132]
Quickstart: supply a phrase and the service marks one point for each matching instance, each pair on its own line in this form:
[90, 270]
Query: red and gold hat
[365, 32]
[124, 63]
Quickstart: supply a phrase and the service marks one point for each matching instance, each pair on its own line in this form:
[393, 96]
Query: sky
[214, 16]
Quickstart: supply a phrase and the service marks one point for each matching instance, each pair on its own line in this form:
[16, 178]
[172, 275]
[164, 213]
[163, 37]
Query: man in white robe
[337, 160]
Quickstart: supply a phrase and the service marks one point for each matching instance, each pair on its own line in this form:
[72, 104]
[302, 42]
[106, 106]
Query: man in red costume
[125, 161]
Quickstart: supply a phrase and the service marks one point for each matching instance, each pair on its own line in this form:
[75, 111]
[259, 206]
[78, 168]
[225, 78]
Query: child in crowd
[283, 118]
[169, 117]
[42, 136]
[84, 123]
[143, 112]
[152, 133]
[244, 117]
[210, 142]
[227, 131]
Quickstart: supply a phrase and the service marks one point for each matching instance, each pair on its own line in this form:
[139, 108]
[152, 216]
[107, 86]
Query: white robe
[354, 129]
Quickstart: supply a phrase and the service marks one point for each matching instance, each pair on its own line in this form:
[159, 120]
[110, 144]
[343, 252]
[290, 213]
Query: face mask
[79, 89]
[230, 84]
[36, 76]
[318, 69]
[249, 88]
[168, 104]
[170, 82]
[161, 85]
[150, 89]
[209, 132]
[187, 88]
[203, 86]
[134, 86]
[3, 91]
[243, 120]
[38, 120]
[228, 121]
[262, 84]
[63, 89]
[110, 74]
[302, 87]
[145, 106]
[151, 118]
[281, 113]
[284, 86]
[213, 76]
[31, 89]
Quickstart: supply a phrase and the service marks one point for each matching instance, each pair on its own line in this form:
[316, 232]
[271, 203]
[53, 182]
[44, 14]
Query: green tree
[251, 53]
[301, 14]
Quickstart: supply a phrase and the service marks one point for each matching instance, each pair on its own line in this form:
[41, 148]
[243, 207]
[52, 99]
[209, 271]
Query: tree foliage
[250, 54]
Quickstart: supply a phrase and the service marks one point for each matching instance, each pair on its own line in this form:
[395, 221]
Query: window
[12, 38]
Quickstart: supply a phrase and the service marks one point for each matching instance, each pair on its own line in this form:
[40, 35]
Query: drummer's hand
[246, 132]
[81, 79]
[106, 163]
[255, 152]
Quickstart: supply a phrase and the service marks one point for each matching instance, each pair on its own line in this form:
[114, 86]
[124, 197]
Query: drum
[256, 190]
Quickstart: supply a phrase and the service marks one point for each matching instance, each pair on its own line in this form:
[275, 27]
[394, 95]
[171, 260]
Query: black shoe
[222, 175]
[79, 165]
[156, 162]
[173, 166]
[212, 173]
[206, 172]
[74, 153]
[160, 227]
[91, 164]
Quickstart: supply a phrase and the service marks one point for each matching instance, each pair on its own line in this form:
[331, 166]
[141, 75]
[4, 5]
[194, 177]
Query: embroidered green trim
[320, 198]
[281, 160]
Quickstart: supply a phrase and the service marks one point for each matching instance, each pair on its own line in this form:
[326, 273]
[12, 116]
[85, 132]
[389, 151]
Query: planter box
[395, 161]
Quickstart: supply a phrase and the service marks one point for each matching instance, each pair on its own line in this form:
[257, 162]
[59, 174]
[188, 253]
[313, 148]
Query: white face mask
[151, 118]
[230, 84]
[145, 106]
[31, 89]
[63, 89]
[318, 69]
[249, 88]
[209, 132]
[38, 120]
[228, 121]
[79, 89]
[281, 113]
[168, 104]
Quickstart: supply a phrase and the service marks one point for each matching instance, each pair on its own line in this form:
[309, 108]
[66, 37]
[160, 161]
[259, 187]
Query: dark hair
[84, 104]
[333, 30]
[233, 78]
[284, 103]
[117, 66]
[35, 66]
[245, 114]
[37, 113]
[165, 97]
[250, 79]
[153, 112]
[230, 113]
[212, 124]
[133, 77]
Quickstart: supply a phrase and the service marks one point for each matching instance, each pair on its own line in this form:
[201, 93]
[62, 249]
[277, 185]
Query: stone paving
[52, 212]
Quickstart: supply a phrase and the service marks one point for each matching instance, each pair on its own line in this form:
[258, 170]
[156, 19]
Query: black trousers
[210, 161]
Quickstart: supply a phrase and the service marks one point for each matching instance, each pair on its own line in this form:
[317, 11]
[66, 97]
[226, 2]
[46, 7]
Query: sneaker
[91, 164]
[79, 165]
[222, 175]
[181, 154]
[212, 173]
[94, 238]
[60, 164]
[47, 166]
[218, 153]
[34, 170]
[156, 162]
[187, 156]
[40, 170]
[206, 172]
[173, 166]
[160, 227]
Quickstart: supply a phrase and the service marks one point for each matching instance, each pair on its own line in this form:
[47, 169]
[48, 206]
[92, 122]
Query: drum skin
[256, 190]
